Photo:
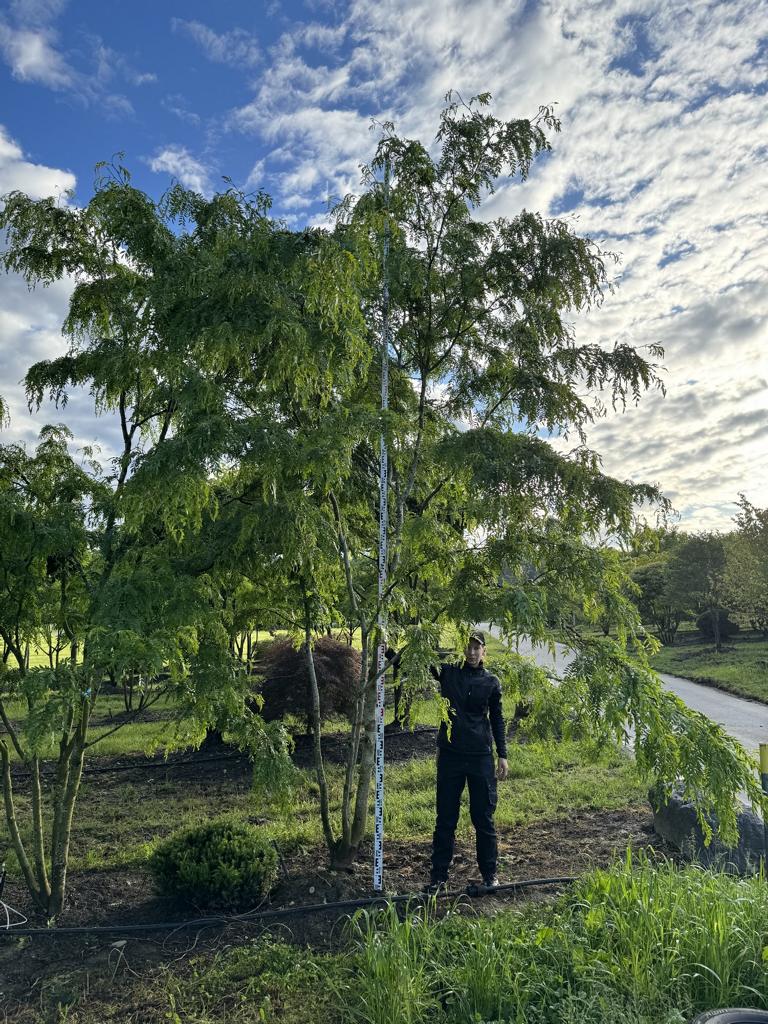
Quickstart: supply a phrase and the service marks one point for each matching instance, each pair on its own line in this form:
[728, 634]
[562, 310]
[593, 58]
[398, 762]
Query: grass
[633, 944]
[119, 822]
[742, 668]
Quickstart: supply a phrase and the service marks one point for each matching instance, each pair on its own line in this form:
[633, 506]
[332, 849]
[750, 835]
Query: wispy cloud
[662, 159]
[35, 12]
[111, 65]
[32, 57]
[180, 164]
[236, 47]
[29, 44]
[175, 104]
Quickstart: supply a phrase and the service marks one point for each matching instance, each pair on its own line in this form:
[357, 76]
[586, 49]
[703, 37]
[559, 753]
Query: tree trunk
[360, 819]
[38, 839]
[353, 750]
[68, 785]
[715, 617]
[322, 782]
[39, 897]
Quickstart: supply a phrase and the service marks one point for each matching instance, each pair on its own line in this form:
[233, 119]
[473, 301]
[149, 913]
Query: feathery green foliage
[223, 863]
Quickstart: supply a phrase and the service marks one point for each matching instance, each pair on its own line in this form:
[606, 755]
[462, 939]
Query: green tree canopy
[239, 359]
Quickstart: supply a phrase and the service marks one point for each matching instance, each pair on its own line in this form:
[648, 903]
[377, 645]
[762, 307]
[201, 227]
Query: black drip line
[472, 891]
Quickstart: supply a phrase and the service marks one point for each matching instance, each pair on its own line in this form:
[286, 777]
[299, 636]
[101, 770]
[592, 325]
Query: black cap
[477, 635]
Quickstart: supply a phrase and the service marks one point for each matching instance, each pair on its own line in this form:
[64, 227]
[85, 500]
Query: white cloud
[36, 180]
[29, 46]
[32, 58]
[30, 323]
[236, 47]
[256, 177]
[179, 163]
[664, 139]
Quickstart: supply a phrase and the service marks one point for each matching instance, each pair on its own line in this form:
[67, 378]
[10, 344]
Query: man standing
[466, 756]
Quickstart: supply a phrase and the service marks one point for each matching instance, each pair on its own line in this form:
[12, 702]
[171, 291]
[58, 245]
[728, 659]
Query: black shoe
[492, 882]
[434, 886]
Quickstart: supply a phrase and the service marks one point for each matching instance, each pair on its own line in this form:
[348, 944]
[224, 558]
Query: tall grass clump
[666, 936]
[633, 943]
[391, 979]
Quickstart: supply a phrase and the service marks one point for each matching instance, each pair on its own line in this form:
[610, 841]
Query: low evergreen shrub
[224, 864]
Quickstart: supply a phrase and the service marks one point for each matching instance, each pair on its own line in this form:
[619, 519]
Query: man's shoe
[492, 882]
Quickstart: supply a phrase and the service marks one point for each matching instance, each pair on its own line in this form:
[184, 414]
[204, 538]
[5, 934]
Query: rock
[676, 821]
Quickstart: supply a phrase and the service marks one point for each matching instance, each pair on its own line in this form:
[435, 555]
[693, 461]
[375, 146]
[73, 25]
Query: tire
[732, 1016]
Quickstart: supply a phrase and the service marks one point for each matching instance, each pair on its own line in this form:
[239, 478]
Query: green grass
[634, 944]
[119, 822]
[742, 668]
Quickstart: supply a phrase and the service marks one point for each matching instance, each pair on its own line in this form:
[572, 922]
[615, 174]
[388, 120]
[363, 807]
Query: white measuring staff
[381, 655]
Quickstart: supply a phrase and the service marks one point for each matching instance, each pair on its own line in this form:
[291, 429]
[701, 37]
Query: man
[474, 696]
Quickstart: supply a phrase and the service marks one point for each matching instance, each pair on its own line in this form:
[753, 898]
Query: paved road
[746, 720]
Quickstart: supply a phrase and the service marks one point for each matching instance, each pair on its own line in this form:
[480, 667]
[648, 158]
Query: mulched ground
[542, 850]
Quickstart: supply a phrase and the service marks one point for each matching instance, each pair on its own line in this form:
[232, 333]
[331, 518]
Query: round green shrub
[223, 863]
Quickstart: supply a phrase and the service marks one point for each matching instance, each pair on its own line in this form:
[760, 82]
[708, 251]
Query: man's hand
[502, 769]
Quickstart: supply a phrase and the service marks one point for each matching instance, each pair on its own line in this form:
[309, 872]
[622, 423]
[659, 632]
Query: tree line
[717, 580]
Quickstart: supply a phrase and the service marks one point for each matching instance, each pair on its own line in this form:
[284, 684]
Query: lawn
[741, 668]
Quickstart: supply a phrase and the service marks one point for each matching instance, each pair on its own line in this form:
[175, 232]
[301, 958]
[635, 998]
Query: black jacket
[474, 695]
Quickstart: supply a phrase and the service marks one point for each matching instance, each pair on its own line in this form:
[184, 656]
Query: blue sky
[662, 159]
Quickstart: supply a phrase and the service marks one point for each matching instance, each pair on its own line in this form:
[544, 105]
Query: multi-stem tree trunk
[46, 876]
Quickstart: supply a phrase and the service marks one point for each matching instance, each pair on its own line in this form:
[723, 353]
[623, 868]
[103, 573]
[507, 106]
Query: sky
[662, 158]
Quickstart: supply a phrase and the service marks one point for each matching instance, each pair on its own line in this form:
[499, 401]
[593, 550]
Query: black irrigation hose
[264, 915]
[178, 762]
[143, 767]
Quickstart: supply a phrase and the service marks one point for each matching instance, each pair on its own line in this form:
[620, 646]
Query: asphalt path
[745, 720]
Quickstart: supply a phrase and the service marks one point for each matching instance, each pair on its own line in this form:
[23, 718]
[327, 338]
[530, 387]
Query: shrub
[223, 863]
[727, 626]
[285, 679]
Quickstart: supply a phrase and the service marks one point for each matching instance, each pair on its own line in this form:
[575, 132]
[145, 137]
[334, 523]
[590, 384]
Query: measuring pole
[764, 787]
[381, 656]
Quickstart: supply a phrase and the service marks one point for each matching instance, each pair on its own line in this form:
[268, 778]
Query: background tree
[655, 602]
[746, 570]
[696, 578]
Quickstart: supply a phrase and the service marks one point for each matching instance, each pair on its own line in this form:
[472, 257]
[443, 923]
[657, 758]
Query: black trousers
[453, 771]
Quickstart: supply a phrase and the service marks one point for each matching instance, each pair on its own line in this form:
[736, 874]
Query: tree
[482, 362]
[746, 569]
[43, 574]
[696, 578]
[654, 601]
[158, 350]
